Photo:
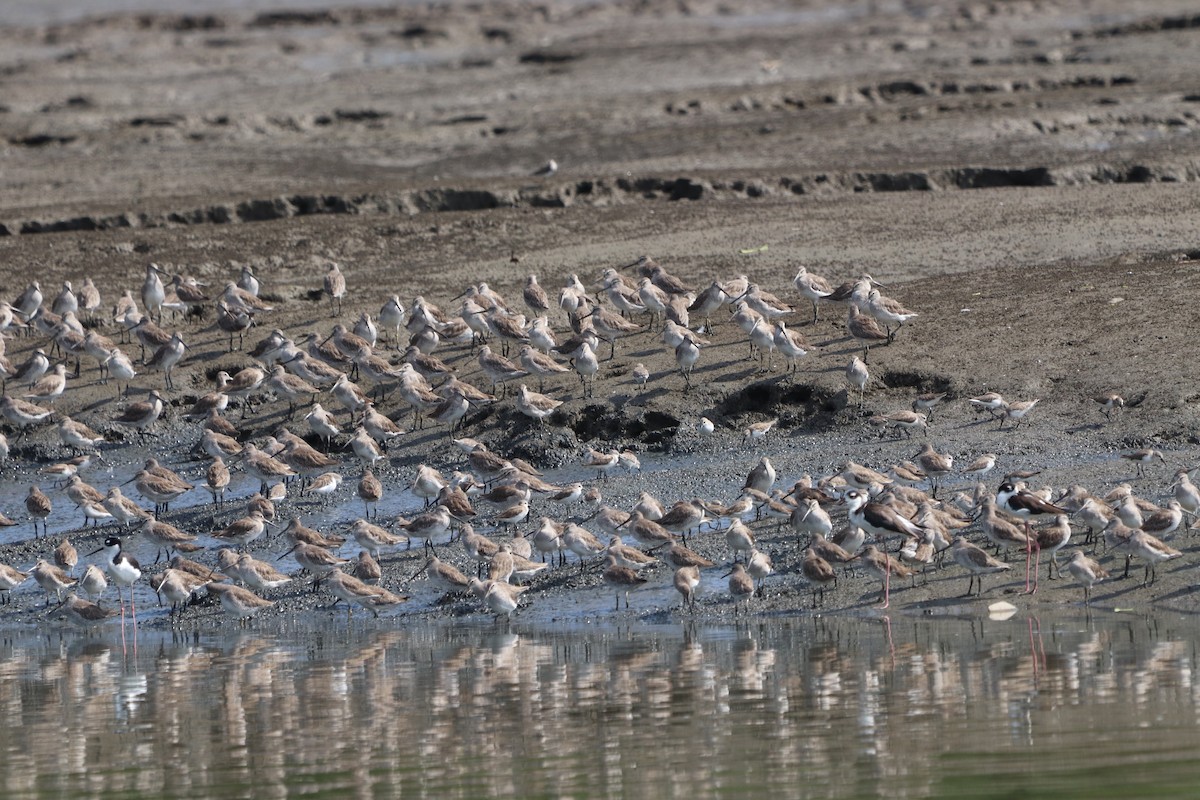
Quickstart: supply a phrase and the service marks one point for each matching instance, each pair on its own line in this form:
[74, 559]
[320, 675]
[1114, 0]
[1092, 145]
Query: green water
[1104, 706]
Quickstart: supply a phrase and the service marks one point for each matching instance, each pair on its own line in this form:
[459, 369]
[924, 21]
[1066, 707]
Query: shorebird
[816, 569]
[291, 388]
[610, 327]
[366, 568]
[1143, 457]
[335, 287]
[809, 518]
[1026, 505]
[66, 556]
[990, 402]
[1186, 493]
[322, 423]
[758, 430]
[759, 567]
[120, 370]
[501, 598]
[50, 386]
[141, 415]
[33, 368]
[123, 510]
[535, 296]
[266, 469]
[791, 344]
[242, 604]
[888, 311]
[603, 463]
[93, 583]
[877, 519]
[536, 406]
[812, 287]
[177, 587]
[883, 567]
[926, 403]
[428, 525]
[319, 562]
[370, 490]
[1086, 572]
[82, 613]
[687, 581]
[219, 445]
[497, 368]
[442, 576]
[741, 585]
[761, 477]
[586, 364]
[39, 507]
[244, 530]
[621, 579]
[537, 363]
[934, 464]
[77, 435]
[242, 385]
[687, 354]
[865, 329]
[981, 466]
[355, 592]
[153, 292]
[373, 538]
[52, 579]
[907, 421]
[10, 578]
[1152, 550]
[1053, 539]
[323, 485]
[247, 281]
[123, 570]
[393, 315]
[975, 561]
[166, 538]
[22, 414]
[161, 491]
[1016, 412]
[1110, 403]
[167, 356]
[708, 302]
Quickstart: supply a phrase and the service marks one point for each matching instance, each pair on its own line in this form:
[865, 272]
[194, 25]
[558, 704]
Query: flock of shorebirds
[417, 352]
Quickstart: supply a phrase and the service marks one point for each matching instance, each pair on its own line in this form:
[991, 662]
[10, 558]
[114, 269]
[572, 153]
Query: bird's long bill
[413, 577]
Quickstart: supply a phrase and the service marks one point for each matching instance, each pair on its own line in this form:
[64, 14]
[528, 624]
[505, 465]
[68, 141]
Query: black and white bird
[879, 520]
[1027, 506]
[123, 570]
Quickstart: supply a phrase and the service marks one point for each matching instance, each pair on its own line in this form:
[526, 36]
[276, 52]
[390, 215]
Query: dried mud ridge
[604, 192]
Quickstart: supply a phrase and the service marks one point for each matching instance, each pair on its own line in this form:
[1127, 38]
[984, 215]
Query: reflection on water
[804, 707]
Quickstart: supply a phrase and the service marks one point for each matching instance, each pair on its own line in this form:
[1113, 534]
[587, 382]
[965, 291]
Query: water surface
[806, 707]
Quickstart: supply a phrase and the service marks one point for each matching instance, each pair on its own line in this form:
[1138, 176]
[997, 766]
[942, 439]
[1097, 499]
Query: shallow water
[807, 707]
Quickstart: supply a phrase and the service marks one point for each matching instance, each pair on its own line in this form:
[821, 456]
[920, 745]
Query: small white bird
[705, 426]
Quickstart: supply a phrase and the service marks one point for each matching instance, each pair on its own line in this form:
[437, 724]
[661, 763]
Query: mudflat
[1021, 176]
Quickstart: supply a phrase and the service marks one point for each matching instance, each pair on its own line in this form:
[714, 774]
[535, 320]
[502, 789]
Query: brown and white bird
[865, 329]
[815, 569]
[536, 406]
[334, 287]
[975, 561]
[1087, 573]
[936, 465]
[883, 566]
